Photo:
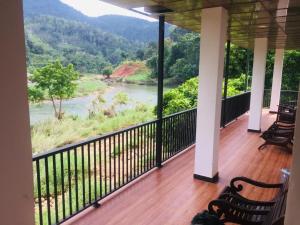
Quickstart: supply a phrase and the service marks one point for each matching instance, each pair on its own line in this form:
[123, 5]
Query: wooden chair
[232, 207]
[280, 135]
[286, 115]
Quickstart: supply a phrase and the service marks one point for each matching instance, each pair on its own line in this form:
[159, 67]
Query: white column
[16, 189]
[293, 200]
[213, 37]
[258, 83]
[277, 77]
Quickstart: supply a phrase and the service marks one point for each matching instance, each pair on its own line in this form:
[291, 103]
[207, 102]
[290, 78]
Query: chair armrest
[239, 187]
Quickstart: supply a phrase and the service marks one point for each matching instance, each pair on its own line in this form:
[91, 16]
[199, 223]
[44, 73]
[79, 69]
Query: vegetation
[185, 96]
[88, 84]
[89, 49]
[107, 71]
[54, 133]
[55, 80]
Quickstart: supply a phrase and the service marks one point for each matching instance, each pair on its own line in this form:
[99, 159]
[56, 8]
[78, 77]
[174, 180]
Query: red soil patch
[125, 70]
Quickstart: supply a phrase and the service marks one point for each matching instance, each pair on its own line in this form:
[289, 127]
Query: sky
[94, 8]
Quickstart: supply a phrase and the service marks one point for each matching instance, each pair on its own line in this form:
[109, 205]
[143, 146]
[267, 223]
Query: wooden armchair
[286, 115]
[232, 207]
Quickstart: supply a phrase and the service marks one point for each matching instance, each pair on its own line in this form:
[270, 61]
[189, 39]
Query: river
[80, 106]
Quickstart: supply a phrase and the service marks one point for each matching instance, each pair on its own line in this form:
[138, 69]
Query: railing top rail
[244, 93]
[289, 91]
[283, 90]
[86, 141]
[179, 113]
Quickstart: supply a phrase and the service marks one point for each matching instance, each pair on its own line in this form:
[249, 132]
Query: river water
[81, 105]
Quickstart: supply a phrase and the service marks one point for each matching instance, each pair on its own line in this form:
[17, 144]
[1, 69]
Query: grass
[55, 133]
[88, 84]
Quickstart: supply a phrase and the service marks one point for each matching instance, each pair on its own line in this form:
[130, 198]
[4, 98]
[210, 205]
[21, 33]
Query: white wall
[16, 189]
[258, 82]
[293, 201]
[213, 37]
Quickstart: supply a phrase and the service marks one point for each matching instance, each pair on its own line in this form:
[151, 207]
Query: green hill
[133, 29]
[88, 48]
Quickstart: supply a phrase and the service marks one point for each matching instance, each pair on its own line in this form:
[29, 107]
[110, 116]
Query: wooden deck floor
[171, 196]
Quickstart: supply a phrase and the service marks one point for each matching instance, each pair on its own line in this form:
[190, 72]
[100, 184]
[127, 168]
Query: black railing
[287, 97]
[179, 132]
[235, 106]
[67, 180]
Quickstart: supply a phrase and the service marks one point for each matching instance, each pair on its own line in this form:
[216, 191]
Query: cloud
[95, 8]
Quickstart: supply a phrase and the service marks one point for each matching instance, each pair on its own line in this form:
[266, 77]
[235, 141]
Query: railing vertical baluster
[83, 175]
[105, 172]
[147, 146]
[38, 177]
[109, 150]
[131, 152]
[95, 172]
[138, 151]
[55, 188]
[134, 153]
[123, 155]
[62, 171]
[48, 190]
[169, 128]
[144, 149]
[171, 136]
[114, 158]
[127, 158]
[153, 131]
[119, 160]
[100, 167]
[69, 183]
[76, 180]
[89, 173]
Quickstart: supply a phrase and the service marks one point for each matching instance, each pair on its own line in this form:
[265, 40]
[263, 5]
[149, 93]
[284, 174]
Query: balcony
[167, 195]
[153, 195]
[170, 195]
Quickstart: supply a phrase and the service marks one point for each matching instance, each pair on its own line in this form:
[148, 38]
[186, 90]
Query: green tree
[57, 81]
[35, 94]
[107, 71]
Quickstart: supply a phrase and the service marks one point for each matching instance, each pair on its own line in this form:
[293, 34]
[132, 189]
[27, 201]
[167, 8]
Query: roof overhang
[277, 20]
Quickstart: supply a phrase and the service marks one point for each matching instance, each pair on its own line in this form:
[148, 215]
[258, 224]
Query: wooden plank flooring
[171, 196]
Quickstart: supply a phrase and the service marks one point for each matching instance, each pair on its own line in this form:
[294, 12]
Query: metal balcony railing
[69, 179]
[286, 97]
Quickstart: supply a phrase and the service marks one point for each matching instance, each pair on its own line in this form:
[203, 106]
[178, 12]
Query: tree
[57, 81]
[107, 71]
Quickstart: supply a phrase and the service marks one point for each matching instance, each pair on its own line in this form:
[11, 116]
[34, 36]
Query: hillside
[130, 28]
[88, 48]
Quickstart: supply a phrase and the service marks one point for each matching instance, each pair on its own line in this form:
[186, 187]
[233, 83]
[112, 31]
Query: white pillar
[213, 37]
[293, 200]
[16, 188]
[258, 83]
[277, 77]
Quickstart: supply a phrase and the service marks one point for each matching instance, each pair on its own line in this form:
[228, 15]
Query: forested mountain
[133, 29]
[88, 48]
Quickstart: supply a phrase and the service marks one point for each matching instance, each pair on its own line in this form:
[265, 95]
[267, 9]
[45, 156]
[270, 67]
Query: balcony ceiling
[278, 20]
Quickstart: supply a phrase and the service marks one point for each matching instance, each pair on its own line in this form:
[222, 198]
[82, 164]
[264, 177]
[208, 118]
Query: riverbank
[54, 133]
